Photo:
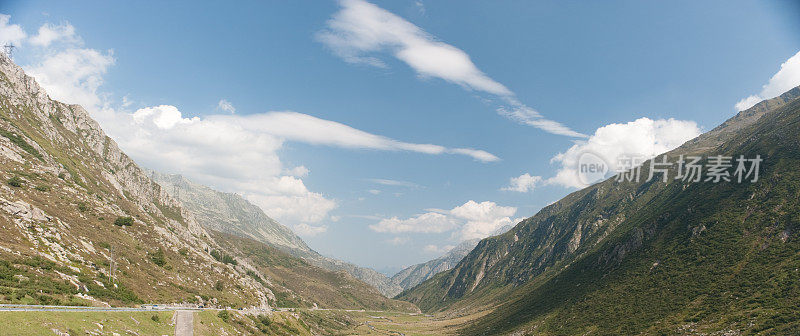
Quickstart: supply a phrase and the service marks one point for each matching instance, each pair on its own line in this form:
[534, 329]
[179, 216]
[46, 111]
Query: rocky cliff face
[83, 224]
[228, 213]
[68, 184]
[648, 247]
[232, 214]
[414, 275]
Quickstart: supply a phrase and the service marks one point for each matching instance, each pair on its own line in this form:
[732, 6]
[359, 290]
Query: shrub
[224, 315]
[158, 258]
[183, 251]
[123, 221]
[155, 318]
[219, 286]
[43, 188]
[16, 182]
[223, 258]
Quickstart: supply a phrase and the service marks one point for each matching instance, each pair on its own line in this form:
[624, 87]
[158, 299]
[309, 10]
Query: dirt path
[184, 323]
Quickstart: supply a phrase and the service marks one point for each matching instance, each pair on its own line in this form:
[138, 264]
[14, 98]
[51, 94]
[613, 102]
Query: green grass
[19, 141]
[81, 323]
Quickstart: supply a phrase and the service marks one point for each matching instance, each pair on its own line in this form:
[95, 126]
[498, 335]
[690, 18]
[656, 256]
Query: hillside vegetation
[650, 257]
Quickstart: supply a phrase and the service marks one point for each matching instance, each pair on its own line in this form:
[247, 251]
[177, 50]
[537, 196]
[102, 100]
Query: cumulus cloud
[430, 222]
[523, 183]
[73, 75]
[49, 33]
[784, 80]
[225, 105]
[361, 32]
[482, 219]
[643, 138]
[306, 230]
[467, 221]
[299, 171]
[10, 33]
[232, 153]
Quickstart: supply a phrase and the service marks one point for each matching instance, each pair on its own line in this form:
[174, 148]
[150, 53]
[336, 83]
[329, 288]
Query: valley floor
[43, 320]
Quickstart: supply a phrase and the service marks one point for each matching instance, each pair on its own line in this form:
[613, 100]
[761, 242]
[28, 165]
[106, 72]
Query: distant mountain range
[650, 257]
[414, 275]
[232, 214]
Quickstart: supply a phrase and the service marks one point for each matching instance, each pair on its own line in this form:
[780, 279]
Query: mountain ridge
[602, 230]
[231, 213]
[83, 224]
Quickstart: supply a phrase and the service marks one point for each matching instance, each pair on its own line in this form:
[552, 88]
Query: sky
[386, 132]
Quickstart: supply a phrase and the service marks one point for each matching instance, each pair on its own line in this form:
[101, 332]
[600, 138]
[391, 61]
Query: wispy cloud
[230, 152]
[362, 32]
[225, 105]
[312, 130]
[394, 183]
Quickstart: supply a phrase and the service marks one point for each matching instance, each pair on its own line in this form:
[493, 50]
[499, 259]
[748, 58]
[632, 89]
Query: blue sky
[582, 65]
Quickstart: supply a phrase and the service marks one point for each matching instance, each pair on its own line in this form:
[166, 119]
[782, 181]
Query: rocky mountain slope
[416, 274]
[232, 214]
[625, 257]
[227, 212]
[83, 224]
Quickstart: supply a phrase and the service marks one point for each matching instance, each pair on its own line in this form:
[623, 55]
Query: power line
[8, 49]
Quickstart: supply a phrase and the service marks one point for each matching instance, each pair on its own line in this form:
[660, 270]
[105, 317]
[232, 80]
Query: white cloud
[225, 105]
[430, 222]
[309, 129]
[467, 221]
[10, 33]
[374, 191]
[49, 33]
[420, 7]
[523, 183]
[231, 153]
[73, 75]
[482, 218]
[306, 230]
[434, 249]
[299, 171]
[360, 32]
[163, 116]
[644, 138]
[394, 183]
[784, 80]
[398, 241]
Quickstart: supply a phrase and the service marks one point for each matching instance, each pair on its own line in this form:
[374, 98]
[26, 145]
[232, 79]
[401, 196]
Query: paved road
[184, 323]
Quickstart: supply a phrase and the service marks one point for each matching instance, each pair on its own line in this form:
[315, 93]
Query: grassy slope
[88, 205]
[309, 284]
[82, 323]
[713, 256]
[726, 254]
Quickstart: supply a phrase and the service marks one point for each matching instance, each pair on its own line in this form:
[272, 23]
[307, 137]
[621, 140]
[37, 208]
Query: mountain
[232, 214]
[228, 213]
[83, 224]
[411, 276]
[414, 275]
[650, 257]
